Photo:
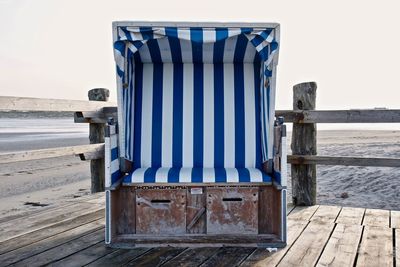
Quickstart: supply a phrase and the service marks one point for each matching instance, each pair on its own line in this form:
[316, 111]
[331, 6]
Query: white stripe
[113, 141]
[162, 175]
[188, 106]
[147, 112]
[132, 110]
[208, 113]
[250, 116]
[185, 175]
[208, 175]
[145, 54]
[250, 53]
[167, 107]
[186, 50]
[184, 34]
[138, 175]
[232, 175]
[229, 117]
[284, 168]
[255, 175]
[165, 50]
[208, 53]
[114, 166]
[229, 50]
[209, 35]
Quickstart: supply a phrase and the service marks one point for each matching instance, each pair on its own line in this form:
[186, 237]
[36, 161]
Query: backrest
[195, 96]
[197, 115]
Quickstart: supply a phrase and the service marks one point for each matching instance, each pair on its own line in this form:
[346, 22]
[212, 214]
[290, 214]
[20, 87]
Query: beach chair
[196, 157]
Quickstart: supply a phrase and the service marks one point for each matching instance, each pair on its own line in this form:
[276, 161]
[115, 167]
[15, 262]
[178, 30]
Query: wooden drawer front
[160, 211]
[232, 210]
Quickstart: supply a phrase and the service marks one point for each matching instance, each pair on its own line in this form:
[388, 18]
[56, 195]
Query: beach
[40, 184]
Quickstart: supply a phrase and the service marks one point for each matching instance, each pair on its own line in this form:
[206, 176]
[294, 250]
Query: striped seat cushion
[196, 175]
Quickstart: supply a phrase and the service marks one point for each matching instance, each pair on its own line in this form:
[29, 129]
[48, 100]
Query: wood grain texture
[262, 257]
[395, 219]
[191, 257]
[155, 257]
[342, 246]
[326, 214]
[376, 248]
[345, 161]
[303, 213]
[351, 216]
[304, 142]
[38, 247]
[227, 257]
[375, 217]
[119, 257]
[308, 247]
[397, 246]
[94, 150]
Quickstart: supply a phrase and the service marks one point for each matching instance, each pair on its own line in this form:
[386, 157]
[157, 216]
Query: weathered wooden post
[96, 135]
[304, 142]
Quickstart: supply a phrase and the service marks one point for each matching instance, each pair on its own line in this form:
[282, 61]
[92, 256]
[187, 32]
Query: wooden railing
[304, 142]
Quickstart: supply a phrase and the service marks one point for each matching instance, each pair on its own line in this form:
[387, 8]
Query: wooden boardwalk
[73, 235]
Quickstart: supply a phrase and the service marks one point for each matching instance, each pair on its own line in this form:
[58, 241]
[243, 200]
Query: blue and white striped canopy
[195, 97]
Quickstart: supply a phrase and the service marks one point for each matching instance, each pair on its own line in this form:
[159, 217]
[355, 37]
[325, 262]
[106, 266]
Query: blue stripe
[173, 175]
[114, 153]
[138, 114]
[156, 134]
[244, 175]
[115, 176]
[220, 175]
[197, 175]
[147, 33]
[257, 113]
[240, 138]
[219, 45]
[175, 44]
[150, 175]
[177, 134]
[196, 34]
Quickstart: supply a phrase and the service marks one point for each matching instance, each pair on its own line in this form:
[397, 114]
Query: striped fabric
[113, 172]
[197, 175]
[194, 98]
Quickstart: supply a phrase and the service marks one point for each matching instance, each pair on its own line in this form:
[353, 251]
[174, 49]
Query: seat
[196, 175]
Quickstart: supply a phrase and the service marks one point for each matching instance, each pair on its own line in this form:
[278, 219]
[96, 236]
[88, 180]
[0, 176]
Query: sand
[51, 182]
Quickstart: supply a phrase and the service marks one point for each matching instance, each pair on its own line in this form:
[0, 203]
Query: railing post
[96, 135]
[304, 142]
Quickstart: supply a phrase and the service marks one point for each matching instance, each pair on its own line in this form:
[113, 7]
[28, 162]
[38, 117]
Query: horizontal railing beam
[344, 161]
[10, 103]
[85, 152]
[341, 116]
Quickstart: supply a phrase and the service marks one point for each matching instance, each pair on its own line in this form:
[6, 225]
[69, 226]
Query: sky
[61, 49]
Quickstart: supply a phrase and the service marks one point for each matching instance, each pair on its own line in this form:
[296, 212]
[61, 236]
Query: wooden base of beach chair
[196, 216]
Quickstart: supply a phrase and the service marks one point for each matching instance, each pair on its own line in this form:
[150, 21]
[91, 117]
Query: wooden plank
[375, 217]
[345, 161]
[36, 248]
[228, 256]
[304, 142]
[326, 214]
[341, 116]
[376, 248]
[47, 232]
[10, 103]
[395, 219]
[119, 257]
[191, 257]
[351, 216]
[262, 257]
[308, 247]
[342, 246]
[155, 257]
[85, 256]
[12, 229]
[91, 151]
[303, 213]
